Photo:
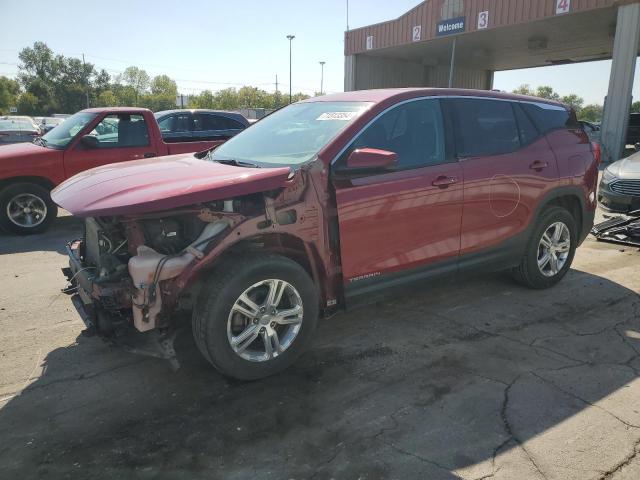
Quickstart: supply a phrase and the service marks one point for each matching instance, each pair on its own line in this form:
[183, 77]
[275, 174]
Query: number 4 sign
[562, 6]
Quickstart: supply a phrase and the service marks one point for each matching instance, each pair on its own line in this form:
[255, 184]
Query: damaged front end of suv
[243, 239]
[134, 277]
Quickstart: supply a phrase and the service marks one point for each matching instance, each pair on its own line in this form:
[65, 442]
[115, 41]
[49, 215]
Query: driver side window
[413, 130]
[122, 130]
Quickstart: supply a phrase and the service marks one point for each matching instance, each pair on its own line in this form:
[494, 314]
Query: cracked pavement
[474, 379]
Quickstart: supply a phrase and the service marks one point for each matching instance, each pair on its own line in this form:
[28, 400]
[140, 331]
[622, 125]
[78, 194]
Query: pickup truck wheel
[26, 208]
[550, 250]
[255, 316]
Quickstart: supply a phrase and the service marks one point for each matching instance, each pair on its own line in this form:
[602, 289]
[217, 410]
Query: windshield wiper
[237, 163]
[40, 141]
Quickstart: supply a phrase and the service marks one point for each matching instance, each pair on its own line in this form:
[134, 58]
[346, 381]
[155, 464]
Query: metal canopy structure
[417, 48]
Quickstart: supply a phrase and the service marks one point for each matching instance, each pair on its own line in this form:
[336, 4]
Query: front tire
[550, 250]
[26, 208]
[255, 316]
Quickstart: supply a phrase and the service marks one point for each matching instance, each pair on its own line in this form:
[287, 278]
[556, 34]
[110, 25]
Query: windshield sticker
[337, 115]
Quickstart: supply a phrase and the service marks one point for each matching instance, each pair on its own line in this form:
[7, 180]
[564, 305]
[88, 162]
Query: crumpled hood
[627, 168]
[152, 185]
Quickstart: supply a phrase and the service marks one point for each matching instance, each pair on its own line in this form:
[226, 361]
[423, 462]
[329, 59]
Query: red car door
[116, 138]
[402, 221]
[507, 167]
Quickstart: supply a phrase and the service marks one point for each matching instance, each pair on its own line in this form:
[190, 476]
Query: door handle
[149, 155]
[443, 181]
[538, 165]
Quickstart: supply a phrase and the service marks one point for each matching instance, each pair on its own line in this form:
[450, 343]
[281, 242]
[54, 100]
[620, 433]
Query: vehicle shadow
[420, 386]
[62, 230]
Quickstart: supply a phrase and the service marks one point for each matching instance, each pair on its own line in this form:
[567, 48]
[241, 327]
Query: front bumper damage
[99, 305]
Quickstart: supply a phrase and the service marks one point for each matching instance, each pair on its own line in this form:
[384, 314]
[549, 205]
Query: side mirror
[90, 142]
[371, 159]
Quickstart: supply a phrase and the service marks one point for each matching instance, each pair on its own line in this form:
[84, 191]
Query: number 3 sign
[483, 20]
[562, 6]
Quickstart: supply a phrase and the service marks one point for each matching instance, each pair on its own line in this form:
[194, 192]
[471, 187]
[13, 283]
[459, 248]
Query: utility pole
[321, 76]
[277, 97]
[86, 79]
[290, 37]
[347, 15]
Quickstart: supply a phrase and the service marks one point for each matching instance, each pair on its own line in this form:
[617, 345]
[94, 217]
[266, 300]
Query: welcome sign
[450, 26]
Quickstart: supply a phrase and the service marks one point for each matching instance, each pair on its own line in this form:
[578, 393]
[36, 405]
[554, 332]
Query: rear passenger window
[485, 127]
[549, 117]
[215, 122]
[413, 130]
[527, 130]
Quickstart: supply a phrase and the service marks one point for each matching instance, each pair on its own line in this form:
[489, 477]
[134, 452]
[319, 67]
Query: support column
[616, 110]
[349, 73]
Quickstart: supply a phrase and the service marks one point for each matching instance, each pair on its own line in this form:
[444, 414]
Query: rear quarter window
[549, 117]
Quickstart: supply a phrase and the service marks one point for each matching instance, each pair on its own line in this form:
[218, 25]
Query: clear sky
[215, 44]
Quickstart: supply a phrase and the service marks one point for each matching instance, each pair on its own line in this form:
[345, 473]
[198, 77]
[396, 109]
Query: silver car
[16, 131]
[619, 190]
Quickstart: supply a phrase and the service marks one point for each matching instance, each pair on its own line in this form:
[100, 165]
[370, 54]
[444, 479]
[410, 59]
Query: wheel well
[41, 181]
[572, 204]
[280, 243]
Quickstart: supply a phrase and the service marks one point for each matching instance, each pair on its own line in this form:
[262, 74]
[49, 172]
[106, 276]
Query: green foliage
[9, 91]
[547, 92]
[27, 104]
[245, 97]
[635, 107]
[591, 113]
[573, 101]
[524, 89]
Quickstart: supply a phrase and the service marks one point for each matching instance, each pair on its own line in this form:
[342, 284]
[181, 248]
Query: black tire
[10, 192]
[528, 273]
[217, 297]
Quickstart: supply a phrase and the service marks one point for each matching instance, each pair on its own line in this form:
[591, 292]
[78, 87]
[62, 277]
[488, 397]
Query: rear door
[117, 138]
[403, 224]
[507, 167]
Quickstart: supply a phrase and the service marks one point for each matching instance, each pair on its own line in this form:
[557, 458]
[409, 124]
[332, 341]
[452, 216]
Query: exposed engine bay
[137, 274]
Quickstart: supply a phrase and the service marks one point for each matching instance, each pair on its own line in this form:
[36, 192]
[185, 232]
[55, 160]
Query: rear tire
[542, 266]
[26, 209]
[221, 318]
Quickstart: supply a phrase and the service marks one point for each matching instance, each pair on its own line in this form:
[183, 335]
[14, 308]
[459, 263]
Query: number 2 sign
[562, 6]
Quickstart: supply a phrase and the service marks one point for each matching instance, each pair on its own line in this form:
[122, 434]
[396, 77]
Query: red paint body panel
[394, 221]
[501, 193]
[159, 184]
[54, 166]
[29, 160]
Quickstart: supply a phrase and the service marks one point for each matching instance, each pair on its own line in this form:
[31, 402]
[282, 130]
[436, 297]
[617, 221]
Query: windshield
[290, 136]
[62, 135]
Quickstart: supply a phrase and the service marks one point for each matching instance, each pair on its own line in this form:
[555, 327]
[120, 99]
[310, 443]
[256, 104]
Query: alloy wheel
[26, 210]
[553, 249]
[265, 320]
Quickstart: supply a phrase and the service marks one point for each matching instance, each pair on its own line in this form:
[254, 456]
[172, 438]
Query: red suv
[321, 205]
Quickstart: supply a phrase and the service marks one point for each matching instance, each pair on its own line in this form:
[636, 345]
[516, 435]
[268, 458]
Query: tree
[524, 89]
[107, 99]
[163, 93]
[27, 104]
[9, 91]
[574, 101]
[137, 79]
[635, 107]
[591, 113]
[547, 92]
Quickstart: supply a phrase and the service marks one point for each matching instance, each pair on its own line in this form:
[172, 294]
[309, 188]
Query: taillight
[597, 152]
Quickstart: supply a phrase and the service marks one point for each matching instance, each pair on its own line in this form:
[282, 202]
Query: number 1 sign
[562, 6]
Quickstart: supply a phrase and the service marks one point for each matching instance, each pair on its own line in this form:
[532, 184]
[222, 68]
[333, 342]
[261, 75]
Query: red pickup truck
[88, 139]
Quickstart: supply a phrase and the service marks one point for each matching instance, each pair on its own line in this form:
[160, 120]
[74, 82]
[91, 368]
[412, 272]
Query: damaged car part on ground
[624, 229]
[322, 205]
